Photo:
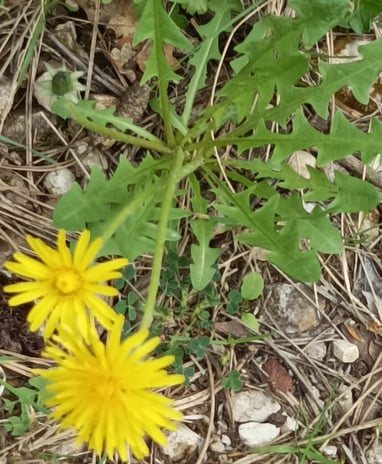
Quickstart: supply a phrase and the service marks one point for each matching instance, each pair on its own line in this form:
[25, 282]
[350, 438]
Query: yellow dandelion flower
[66, 285]
[104, 391]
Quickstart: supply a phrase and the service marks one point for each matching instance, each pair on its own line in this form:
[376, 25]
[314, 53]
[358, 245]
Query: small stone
[104, 101]
[374, 455]
[292, 310]
[15, 127]
[345, 351]
[346, 398]
[3, 378]
[316, 394]
[330, 451]
[290, 425]
[95, 158]
[226, 440]
[253, 405]
[256, 434]
[181, 443]
[59, 182]
[7, 92]
[316, 351]
[81, 148]
[217, 447]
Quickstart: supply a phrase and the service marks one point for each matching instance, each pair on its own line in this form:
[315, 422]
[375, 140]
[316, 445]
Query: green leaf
[17, 425]
[284, 245]
[359, 75]
[348, 194]
[232, 381]
[319, 16]
[364, 12]
[156, 24]
[203, 267]
[270, 60]
[9, 405]
[198, 346]
[101, 117]
[250, 320]
[90, 205]
[353, 195]
[276, 62]
[209, 48]
[314, 227]
[120, 307]
[136, 188]
[204, 258]
[234, 296]
[193, 6]
[252, 286]
[344, 139]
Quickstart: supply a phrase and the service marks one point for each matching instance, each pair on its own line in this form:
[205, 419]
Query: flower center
[108, 388]
[68, 281]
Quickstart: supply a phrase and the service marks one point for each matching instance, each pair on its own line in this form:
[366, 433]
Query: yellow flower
[65, 284]
[104, 391]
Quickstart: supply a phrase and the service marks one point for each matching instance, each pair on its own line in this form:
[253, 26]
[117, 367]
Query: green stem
[207, 145]
[163, 82]
[128, 209]
[171, 183]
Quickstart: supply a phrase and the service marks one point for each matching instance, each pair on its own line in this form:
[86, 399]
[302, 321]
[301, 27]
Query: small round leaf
[250, 320]
[252, 286]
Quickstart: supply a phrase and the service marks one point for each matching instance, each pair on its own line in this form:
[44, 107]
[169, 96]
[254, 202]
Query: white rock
[59, 182]
[81, 148]
[330, 451]
[7, 91]
[217, 447]
[290, 425]
[316, 394]
[345, 351]
[256, 434]
[95, 158]
[346, 400]
[253, 406]
[292, 309]
[181, 443]
[226, 440]
[374, 455]
[316, 351]
[3, 378]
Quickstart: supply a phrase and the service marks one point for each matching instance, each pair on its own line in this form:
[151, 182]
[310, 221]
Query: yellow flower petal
[107, 268]
[80, 249]
[49, 256]
[91, 253]
[66, 284]
[25, 297]
[27, 267]
[99, 390]
[63, 250]
[102, 290]
[41, 312]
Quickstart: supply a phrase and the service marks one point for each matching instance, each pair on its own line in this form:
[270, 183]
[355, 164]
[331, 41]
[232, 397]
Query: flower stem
[171, 183]
[129, 209]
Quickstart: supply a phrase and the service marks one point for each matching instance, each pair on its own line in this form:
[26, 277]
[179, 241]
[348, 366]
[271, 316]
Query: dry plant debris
[340, 401]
